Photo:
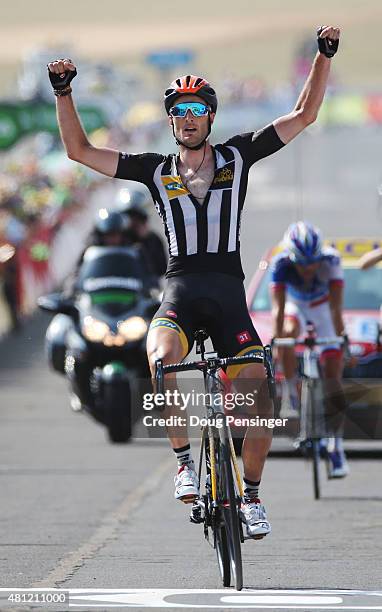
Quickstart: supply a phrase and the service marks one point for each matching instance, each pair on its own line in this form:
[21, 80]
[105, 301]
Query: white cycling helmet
[303, 243]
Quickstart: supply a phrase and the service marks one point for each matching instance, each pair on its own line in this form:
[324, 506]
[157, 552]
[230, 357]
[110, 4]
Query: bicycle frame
[311, 363]
[311, 368]
[310, 434]
[220, 514]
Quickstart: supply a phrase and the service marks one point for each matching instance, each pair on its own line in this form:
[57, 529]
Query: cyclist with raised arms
[199, 194]
[307, 286]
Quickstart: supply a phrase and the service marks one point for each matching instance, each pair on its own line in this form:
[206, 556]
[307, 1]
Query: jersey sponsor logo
[243, 337]
[169, 324]
[171, 313]
[174, 186]
[224, 176]
[164, 323]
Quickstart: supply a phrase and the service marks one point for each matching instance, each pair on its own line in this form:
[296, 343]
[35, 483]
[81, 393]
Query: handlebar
[204, 365]
[216, 362]
[309, 342]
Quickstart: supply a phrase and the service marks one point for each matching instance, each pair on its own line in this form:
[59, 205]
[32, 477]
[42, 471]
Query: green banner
[21, 118]
[345, 109]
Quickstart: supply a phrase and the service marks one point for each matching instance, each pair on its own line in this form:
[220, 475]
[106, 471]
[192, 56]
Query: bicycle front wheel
[316, 468]
[222, 552]
[229, 505]
[312, 423]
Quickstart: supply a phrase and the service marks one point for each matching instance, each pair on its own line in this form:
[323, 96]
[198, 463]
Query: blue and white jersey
[285, 276]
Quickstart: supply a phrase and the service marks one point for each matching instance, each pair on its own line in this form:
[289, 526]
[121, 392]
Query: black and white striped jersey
[202, 237]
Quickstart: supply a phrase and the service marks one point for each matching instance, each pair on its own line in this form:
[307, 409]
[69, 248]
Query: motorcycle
[97, 338]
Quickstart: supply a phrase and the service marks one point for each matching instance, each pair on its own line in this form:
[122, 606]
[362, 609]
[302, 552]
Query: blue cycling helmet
[303, 243]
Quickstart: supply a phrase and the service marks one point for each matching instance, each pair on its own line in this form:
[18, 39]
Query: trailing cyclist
[307, 287]
[199, 193]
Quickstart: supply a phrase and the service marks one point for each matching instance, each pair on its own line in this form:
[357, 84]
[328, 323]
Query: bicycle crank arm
[198, 512]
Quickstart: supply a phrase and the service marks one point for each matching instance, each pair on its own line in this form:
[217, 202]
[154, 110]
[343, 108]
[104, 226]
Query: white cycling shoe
[254, 517]
[186, 485]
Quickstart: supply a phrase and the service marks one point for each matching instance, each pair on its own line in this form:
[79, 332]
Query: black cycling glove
[61, 82]
[327, 46]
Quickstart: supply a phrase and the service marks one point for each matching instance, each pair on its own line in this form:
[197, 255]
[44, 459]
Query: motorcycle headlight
[94, 330]
[132, 329]
[114, 340]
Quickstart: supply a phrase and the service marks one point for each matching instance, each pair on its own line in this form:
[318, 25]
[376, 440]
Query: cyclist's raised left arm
[310, 99]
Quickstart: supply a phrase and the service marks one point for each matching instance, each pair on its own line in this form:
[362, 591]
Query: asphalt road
[78, 513]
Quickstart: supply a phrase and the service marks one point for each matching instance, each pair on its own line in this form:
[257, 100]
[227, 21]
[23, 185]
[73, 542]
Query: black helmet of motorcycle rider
[110, 228]
[134, 203]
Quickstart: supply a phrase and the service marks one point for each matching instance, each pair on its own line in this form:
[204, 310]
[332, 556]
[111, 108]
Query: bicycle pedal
[188, 499]
[304, 446]
[197, 513]
[258, 537]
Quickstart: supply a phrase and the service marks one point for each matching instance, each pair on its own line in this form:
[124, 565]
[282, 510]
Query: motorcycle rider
[134, 203]
[111, 228]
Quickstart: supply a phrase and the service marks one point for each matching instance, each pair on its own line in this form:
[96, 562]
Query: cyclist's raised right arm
[73, 135]
[77, 144]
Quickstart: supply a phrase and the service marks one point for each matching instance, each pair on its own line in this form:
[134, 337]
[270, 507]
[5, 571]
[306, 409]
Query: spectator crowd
[33, 207]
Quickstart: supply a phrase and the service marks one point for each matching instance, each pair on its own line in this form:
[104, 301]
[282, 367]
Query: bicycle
[218, 507]
[312, 415]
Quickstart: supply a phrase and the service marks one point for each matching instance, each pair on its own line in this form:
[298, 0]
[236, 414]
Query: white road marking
[105, 532]
[282, 599]
[288, 599]
[254, 599]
